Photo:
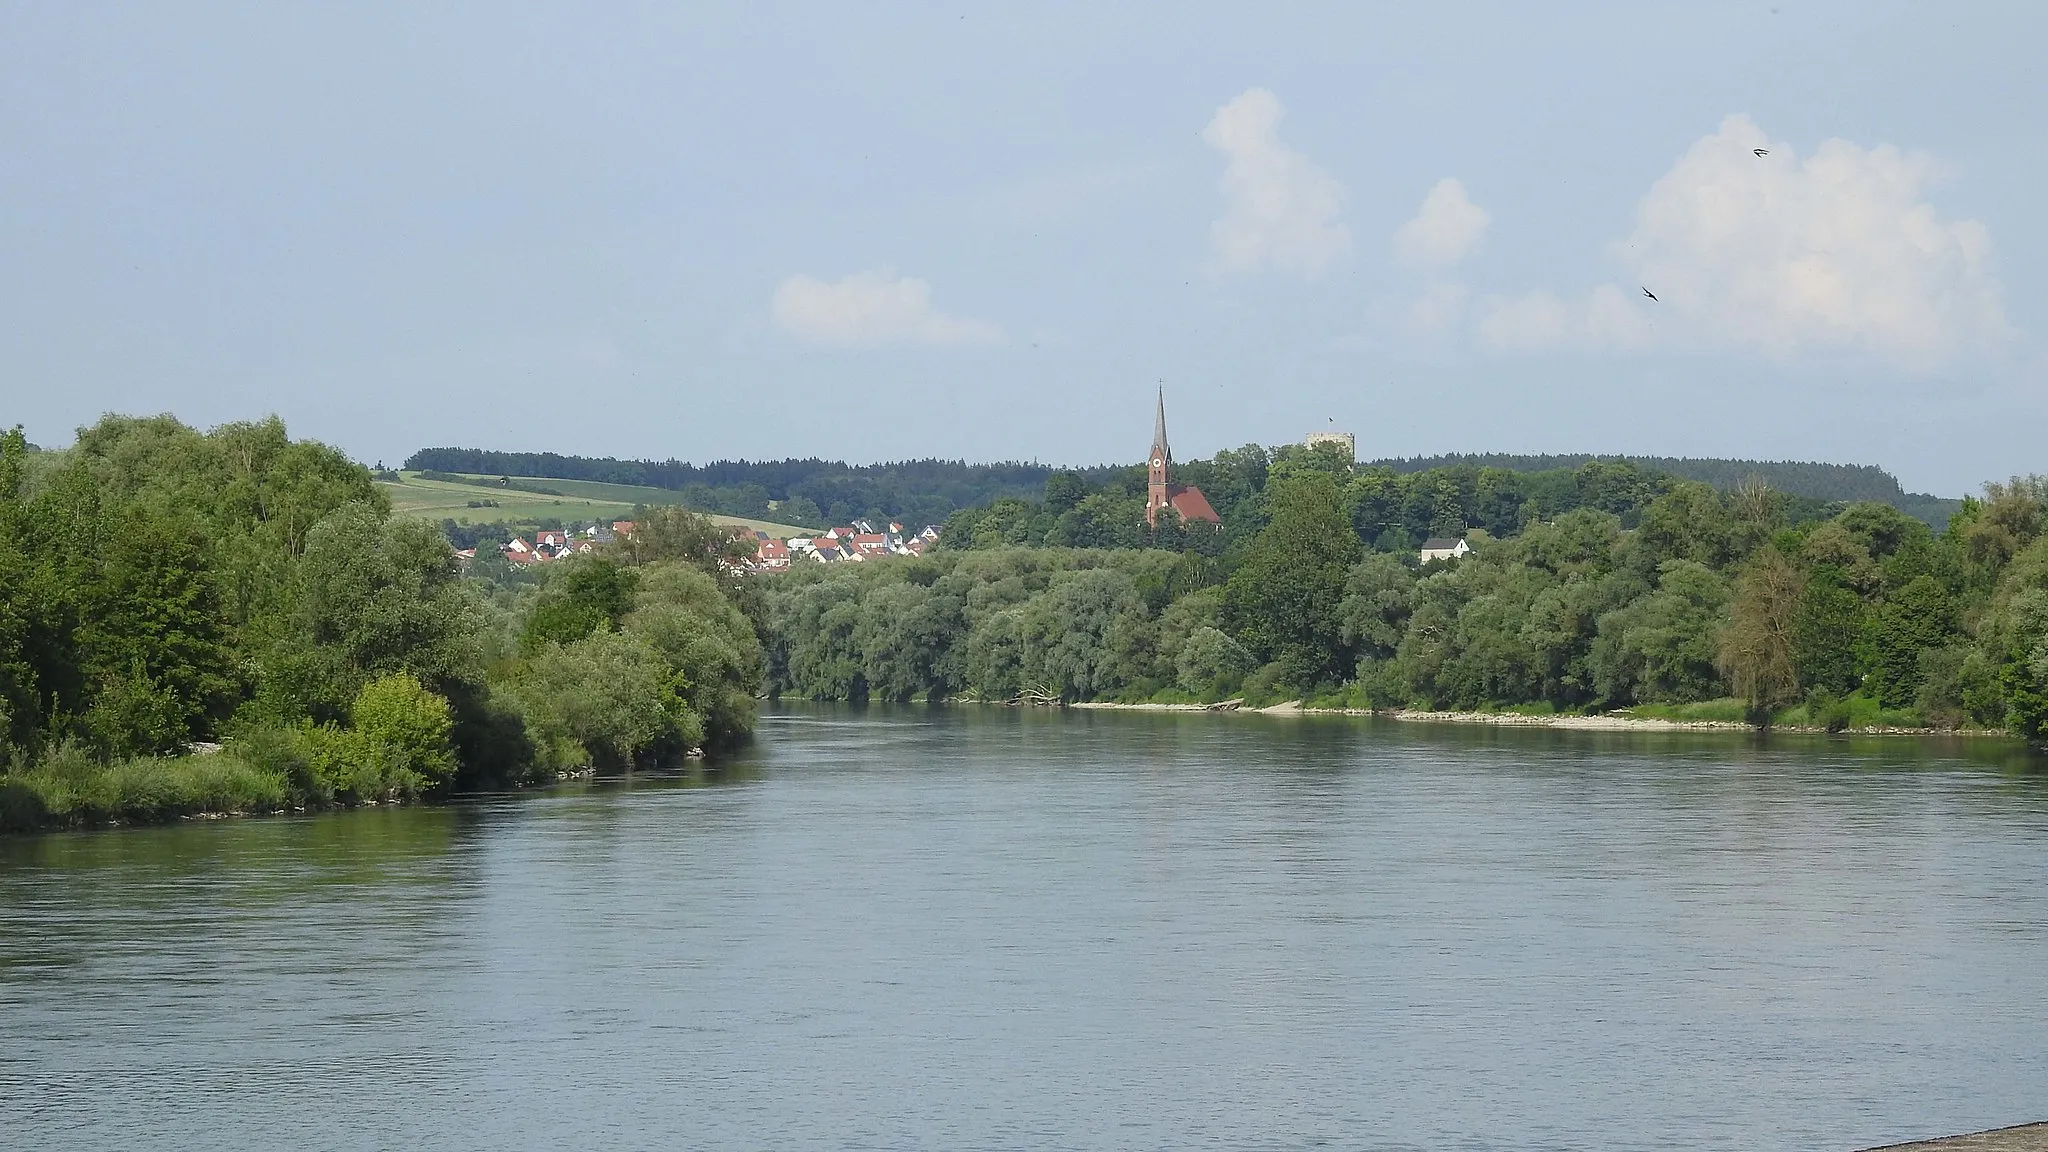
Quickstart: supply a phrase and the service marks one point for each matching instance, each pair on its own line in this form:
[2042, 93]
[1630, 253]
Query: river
[977, 928]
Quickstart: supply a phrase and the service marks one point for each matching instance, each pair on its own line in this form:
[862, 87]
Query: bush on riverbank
[71, 788]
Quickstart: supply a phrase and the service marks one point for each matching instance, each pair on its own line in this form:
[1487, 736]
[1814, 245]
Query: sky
[983, 231]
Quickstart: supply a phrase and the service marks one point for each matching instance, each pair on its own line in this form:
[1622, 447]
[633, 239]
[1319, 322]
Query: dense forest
[233, 621]
[928, 491]
[1588, 591]
[1827, 483]
[1388, 510]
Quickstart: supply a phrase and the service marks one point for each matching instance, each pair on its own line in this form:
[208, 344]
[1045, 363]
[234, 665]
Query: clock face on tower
[1155, 461]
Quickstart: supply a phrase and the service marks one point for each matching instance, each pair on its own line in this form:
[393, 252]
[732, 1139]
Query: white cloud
[1280, 209]
[1446, 229]
[1777, 255]
[871, 309]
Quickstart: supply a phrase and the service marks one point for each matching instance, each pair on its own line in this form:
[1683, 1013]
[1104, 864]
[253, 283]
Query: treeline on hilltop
[1828, 483]
[1387, 510]
[1672, 599]
[1845, 482]
[234, 621]
[806, 491]
[927, 491]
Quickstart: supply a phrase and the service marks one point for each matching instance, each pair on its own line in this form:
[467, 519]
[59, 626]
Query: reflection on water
[986, 928]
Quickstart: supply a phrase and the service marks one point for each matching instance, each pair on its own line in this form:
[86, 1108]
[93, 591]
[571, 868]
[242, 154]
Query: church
[1160, 490]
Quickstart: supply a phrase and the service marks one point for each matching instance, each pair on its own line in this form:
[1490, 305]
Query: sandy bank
[1608, 723]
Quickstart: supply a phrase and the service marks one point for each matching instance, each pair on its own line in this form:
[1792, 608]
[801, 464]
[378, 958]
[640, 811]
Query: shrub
[134, 715]
[1263, 686]
[353, 769]
[70, 787]
[408, 726]
[1211, 663]
[1827, 710]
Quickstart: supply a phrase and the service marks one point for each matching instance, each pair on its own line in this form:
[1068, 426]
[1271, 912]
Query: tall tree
[1759, 644]
[1283, 601]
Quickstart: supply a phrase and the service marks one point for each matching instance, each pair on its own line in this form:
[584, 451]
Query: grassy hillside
[531, 500]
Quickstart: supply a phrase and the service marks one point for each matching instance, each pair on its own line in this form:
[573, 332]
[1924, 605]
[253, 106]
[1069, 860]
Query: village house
[1443, 548]
[853, 543]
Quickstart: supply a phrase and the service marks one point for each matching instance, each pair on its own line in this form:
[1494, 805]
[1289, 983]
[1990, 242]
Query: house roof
[1442, 543]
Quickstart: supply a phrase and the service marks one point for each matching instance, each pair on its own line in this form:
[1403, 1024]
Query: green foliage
[1726, 710]
[408, 724]
[162, 587]
[371, 597]
[70, 787]
[582, 595]
[1830, 621]
[1211, 665]
[1661, 647]
[1915, 619]
[1759, 647]
[1613, 589]
[1373, 615]
[709, 646]
[608, 701]
[1283, 600]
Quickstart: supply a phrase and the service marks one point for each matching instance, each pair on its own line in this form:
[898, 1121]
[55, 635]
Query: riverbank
[2020, 1138]
[1607, 722]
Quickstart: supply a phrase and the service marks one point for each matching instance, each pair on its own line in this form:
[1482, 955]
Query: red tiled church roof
[1190, 504]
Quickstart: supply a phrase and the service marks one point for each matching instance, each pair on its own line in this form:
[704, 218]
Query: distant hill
[820, 491]
[813, 491]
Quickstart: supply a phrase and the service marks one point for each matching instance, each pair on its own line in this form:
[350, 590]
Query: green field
[566, 500]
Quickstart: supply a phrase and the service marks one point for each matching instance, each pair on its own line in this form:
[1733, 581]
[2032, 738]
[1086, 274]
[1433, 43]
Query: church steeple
[1159, 448]
[1158, 492]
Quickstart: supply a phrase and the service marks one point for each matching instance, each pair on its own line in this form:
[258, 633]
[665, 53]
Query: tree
[1063, 490]
[1374, 611]
[582, 595]
[1283, 601]
[1661, 647]
[1826, 630]
[708, 644]
[371, 597]
[667, 532]
[1912, 620]
[606, 700]
[1758, 645]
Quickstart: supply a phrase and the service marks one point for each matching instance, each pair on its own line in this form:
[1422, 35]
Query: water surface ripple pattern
[988, 929]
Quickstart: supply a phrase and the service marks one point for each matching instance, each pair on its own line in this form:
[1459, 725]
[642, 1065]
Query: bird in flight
[1651, 295]
[1761, 151]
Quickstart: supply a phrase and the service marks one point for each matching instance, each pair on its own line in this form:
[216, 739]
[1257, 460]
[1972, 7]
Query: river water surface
[980, 928]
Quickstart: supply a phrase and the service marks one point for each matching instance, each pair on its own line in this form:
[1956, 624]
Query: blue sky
[987, 231]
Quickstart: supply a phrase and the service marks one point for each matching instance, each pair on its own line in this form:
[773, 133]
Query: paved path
[2024, 1138]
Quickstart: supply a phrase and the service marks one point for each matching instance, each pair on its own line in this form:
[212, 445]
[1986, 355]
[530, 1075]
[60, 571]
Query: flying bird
[1651, 295]
[1761, 151]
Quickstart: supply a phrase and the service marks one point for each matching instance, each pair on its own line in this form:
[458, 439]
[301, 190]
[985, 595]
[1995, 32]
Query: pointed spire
[1159, 448]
